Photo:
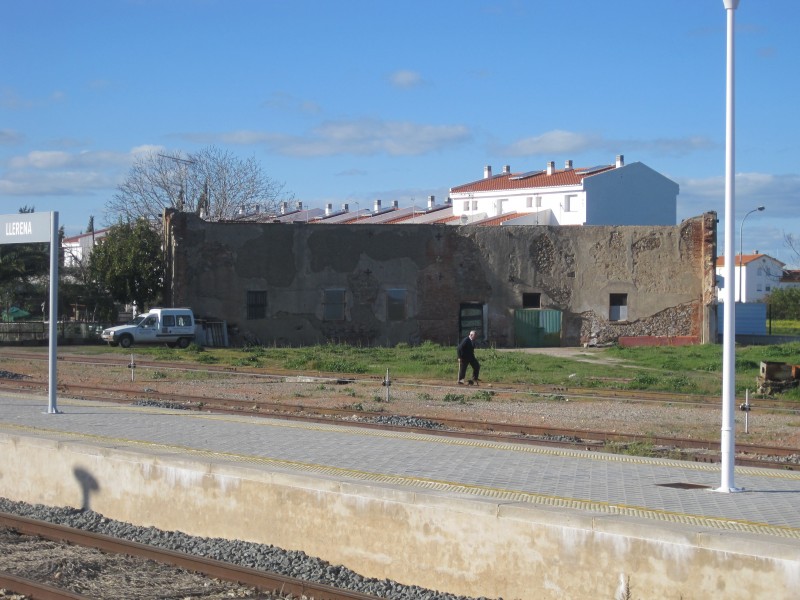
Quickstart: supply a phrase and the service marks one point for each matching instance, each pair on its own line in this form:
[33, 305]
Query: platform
[464, 516]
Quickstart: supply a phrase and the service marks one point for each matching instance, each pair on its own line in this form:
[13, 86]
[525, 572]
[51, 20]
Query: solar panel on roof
[591, 170]
[525, 175]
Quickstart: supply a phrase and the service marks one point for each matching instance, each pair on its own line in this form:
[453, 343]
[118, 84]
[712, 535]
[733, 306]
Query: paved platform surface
[657, 489]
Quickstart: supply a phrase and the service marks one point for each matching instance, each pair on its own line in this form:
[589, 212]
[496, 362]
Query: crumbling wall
[666, 272]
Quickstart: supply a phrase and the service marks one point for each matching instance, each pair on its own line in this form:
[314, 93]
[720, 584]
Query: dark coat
[466, 349]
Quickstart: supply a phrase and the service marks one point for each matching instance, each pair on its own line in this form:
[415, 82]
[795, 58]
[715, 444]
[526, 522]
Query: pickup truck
[170, 326]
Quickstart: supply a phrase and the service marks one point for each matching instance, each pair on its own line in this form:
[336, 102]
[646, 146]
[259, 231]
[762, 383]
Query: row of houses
[606, 194]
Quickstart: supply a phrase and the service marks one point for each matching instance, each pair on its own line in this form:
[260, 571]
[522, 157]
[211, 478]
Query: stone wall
[667, 274]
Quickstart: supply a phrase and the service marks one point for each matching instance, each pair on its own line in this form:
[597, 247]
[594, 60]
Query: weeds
[459, 398]
[688, 369]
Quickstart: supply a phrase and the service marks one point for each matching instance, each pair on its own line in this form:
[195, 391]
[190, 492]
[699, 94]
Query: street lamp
[726, 443]
[741, 248]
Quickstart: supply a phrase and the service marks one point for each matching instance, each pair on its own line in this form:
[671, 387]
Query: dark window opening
[532, 300]
[618, 307]
[470, 318]
[333, 305]
[396, 304]
[257, 305]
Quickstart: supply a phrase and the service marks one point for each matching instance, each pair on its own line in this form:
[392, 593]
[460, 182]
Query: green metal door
[537, 328]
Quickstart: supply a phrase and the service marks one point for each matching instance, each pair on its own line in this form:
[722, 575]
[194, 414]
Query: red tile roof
[744, 259]
[514, 181]
[497, 220]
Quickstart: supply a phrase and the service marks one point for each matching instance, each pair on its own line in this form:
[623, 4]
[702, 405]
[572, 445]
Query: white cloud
[550, 142]
[405, 79]
[364, 137]
[53, 172]
[559, 141]
[145, 149]
[58, 183]
[58, 159]
[779, 194]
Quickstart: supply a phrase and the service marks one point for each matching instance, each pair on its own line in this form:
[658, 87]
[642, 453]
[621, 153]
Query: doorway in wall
[470, 318]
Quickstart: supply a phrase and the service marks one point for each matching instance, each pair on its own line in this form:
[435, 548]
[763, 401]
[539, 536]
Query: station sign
[26, 228]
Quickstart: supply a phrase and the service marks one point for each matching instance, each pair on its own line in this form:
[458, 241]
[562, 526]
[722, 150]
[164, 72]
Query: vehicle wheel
[183, 343]
[126, 341]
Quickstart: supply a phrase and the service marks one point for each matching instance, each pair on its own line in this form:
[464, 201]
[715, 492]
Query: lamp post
[741, 248]
[729, 325]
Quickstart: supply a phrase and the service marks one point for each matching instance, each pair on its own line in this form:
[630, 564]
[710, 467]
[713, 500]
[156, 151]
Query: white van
[170, 326]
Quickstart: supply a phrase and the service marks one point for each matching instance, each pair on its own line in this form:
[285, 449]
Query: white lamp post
[741, 249]
[729, 326]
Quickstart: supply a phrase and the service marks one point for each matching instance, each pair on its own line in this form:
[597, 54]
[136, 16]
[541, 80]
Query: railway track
[273, 584]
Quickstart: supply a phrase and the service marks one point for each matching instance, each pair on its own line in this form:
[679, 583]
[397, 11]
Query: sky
[350, 101]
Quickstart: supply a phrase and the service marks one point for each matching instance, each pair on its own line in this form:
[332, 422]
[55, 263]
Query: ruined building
[519, 285]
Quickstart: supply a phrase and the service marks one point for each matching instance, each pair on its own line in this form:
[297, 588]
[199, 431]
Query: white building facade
[615, 194]
[78, 248]
[756, 275]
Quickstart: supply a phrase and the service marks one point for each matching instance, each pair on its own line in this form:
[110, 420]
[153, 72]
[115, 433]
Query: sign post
[32, 228]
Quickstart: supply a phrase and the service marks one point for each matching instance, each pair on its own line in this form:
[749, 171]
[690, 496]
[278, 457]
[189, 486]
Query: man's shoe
[460, 382]
[471, 382]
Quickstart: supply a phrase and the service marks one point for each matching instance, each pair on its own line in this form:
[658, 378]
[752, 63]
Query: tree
[784, 303]
[129, 263]
[212, 180]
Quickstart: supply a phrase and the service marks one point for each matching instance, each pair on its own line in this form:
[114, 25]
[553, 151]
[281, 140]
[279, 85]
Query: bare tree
[793, 244]
[212, 182]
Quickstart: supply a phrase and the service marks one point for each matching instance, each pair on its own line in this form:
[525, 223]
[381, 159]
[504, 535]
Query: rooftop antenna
[184, 188]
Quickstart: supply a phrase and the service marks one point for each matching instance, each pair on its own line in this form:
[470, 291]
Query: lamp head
[761, 208]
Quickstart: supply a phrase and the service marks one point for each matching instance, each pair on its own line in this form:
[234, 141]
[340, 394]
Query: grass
[784, 327]
[685, 370]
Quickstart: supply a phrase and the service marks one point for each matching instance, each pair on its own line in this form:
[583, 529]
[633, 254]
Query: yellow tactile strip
[453, 487]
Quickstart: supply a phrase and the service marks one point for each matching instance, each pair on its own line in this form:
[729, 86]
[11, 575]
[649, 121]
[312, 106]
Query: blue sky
[349, 101]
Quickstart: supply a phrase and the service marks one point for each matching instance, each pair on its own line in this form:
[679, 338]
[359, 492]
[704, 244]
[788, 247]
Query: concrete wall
[439, 539]
[667, 273]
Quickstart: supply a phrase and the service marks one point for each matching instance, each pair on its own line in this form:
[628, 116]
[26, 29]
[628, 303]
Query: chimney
[551, 167]
[487, 171]
[449, 201]
[284, 207]
[620, 161]
[377, 206]
[431, 201]
[568, 165]
[346, 207]
[328, 209]
[507, 170]
[300, 205]
[395, 203]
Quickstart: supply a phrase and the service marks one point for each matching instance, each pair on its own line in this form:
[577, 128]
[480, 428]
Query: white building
[756, 275]
[78, 248]
[616, 194]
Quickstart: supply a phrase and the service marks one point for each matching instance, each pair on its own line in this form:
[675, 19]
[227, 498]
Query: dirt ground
[485, 403]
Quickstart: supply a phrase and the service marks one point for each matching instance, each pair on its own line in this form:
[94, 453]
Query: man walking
[466, 356]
